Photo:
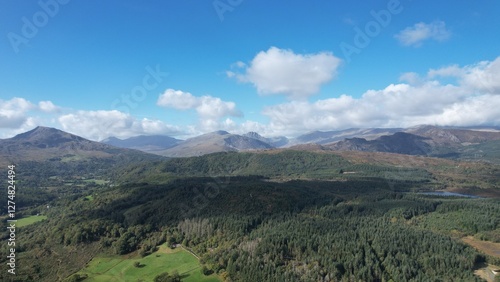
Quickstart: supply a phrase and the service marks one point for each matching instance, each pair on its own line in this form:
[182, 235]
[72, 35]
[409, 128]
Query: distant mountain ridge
[146, 143]
[448, 142]
[451, 136]
[457, 143]
[325, 137]
[424, 140]
[399, 142]
[45, 143]
[277, 142]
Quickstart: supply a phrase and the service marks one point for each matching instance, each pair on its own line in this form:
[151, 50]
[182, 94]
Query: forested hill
[286, 164]
[277, 164]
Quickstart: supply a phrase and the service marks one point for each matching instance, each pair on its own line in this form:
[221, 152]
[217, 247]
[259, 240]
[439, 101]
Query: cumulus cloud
[13, 112]
[98, 125]
[48, 107]
[207, 107]
[411, 78]
[177, 99]
[449, 71]
[280, 71]
[420, 32]
[484, 76]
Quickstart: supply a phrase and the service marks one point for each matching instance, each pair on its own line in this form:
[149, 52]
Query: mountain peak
[221, 132]
[47, 137]
[42, 132]
[40, 129]
[253, 134]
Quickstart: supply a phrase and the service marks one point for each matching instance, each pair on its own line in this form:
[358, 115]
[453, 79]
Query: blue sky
[183, 68]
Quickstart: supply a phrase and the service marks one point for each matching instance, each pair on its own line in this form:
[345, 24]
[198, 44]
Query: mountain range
[457, 143]
[425, 140]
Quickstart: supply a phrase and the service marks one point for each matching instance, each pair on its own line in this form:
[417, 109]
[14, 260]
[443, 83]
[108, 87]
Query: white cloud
[212, 107]
[474, 111]
[177, 99]
[209, 109]
[449, 71]
[48, 107]
[411, 78]
[418, 33]
[279, 71]
[13, 112]
[98, 125]
[482, 77]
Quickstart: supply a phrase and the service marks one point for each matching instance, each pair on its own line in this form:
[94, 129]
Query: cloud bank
[98, 125]
[474, 99]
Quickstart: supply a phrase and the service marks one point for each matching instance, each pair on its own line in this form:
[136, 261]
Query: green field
[30, 220]
[117, 268]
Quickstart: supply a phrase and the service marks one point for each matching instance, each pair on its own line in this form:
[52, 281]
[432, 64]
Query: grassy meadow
[120, 268]
[30, 220]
